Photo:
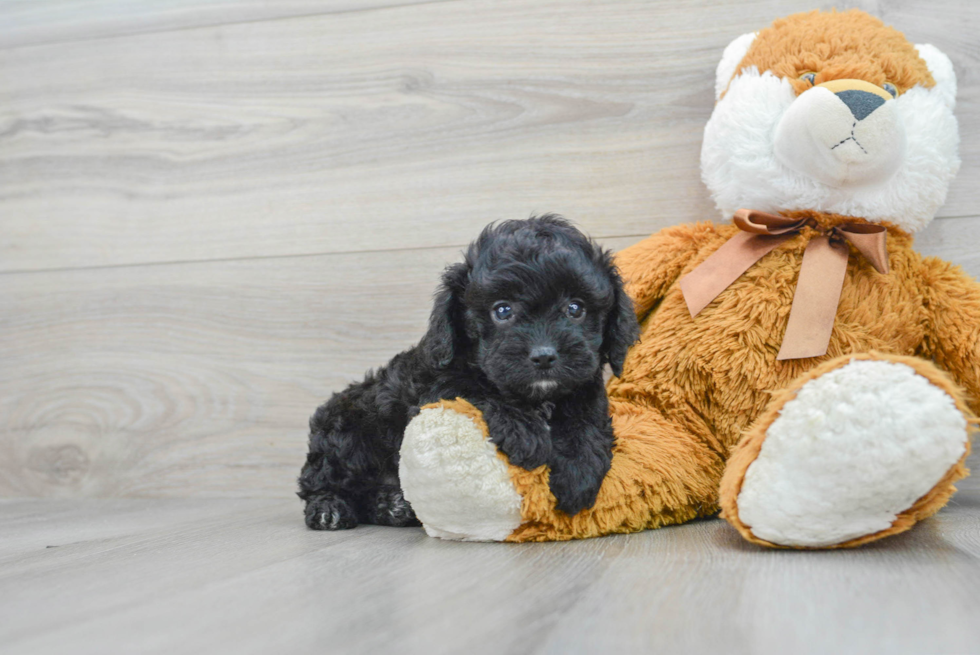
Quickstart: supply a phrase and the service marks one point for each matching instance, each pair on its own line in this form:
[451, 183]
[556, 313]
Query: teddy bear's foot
[859, 448]
[452, 476]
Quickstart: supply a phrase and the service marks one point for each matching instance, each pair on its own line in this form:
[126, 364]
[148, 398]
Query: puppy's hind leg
[386, 505]
[328, 511]
[341, 464]
[328, 506]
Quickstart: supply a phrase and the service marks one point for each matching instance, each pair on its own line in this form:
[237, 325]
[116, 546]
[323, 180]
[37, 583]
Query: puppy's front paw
[329, 512]
[529, 451]
[573, 488]
[523, 436]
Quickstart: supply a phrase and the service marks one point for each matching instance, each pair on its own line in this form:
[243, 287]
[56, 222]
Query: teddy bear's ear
[942, 71]
[730, 60]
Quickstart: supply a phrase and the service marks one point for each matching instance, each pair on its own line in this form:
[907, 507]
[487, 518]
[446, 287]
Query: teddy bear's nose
[861, 103]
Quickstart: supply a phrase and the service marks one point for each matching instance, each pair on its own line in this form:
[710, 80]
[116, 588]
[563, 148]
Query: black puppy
[520, 329]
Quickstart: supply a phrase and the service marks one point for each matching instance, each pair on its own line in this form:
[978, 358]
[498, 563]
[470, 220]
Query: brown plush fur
[693, 386]
[815, 43]
[634, 496]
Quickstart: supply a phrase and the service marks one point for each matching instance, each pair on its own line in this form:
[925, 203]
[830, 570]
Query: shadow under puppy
[521, 329]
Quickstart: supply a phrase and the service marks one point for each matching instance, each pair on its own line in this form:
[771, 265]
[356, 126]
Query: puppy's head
[536, 305]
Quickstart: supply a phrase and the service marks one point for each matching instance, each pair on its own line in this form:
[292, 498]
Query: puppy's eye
[502, 312]
[888, 86]
[809, 77]
[575, 310]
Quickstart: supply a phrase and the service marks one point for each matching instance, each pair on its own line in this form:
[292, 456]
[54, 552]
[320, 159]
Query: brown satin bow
[811, 318]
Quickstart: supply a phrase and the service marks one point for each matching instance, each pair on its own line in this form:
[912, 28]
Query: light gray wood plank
[197, 379]
[33, 526]
[194, 379]
[955, 240]
[37, 22]
[913, 594]
[408, 127]
[247, 577]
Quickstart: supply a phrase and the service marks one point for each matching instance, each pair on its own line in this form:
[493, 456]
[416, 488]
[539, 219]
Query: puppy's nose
[861, 103]
[544, 356]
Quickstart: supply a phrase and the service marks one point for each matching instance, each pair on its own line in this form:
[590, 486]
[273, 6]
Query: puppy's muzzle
[842, 133]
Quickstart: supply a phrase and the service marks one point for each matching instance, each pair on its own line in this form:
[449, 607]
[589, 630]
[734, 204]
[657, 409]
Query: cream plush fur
[805, 487]
[458, 486]
[741, 166]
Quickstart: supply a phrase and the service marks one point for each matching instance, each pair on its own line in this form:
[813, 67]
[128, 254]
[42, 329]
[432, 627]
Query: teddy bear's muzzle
[842, 133]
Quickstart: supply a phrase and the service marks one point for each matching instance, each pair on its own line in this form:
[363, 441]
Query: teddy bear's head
[832, 112]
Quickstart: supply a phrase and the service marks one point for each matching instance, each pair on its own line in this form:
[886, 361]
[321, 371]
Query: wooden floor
[245, 576]
[213, 213]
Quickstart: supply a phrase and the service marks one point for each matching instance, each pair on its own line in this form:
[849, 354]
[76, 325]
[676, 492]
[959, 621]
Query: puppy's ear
[440, 343]
[621, 330]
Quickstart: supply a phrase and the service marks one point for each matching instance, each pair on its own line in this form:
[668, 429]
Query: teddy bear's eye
[888, 86]
[809, 77]
[502, 312]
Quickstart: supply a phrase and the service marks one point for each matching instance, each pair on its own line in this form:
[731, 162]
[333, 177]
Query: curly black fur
[536, 374]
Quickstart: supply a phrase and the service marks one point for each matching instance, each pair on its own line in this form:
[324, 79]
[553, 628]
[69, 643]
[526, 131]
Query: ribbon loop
[869, 240]
[821, 279]
[756, 222]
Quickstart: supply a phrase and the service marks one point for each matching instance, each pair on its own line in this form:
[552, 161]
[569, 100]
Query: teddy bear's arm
[651, 266]
[952, 300]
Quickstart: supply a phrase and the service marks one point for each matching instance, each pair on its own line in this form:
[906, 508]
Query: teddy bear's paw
[451, 474]
[863, 449]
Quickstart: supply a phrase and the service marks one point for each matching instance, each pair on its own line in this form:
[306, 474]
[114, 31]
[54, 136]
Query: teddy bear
[801, 368]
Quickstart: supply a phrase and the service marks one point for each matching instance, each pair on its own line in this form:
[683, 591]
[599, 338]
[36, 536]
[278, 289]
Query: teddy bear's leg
[461, 487]
[862, 447]
[664, 471]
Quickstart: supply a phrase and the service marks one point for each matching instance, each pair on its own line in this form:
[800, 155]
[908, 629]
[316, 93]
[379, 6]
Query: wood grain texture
[197, 379]
[402, 127]
[193, 379]
[214, 213]
[245, 576]
[37, 22]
